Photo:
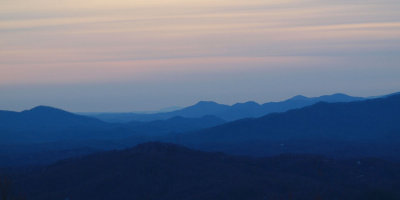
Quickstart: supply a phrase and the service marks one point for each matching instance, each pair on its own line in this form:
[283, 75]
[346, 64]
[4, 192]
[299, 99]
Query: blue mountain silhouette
[167, 171]
[341, 129]
[44, 117]
[228, 113]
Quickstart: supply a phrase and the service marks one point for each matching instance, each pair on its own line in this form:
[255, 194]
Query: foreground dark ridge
[167, 171]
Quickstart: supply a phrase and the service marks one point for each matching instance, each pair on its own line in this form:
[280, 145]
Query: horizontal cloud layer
[97, 41]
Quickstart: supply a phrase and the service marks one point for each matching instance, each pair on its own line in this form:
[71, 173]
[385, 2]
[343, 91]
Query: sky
[129, 55]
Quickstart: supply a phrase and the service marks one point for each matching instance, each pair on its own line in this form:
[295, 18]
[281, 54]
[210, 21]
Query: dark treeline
[167, 171]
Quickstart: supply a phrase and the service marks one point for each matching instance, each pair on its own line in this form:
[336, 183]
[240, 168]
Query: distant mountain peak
[247, 103]
[299, 97]
[42, 109]
[336, 95]
[206, 103]
[340, 94]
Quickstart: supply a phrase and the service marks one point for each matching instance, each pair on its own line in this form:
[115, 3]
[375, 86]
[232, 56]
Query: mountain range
[362, 128]
[44, 134]
[226, 112]
[347, 129]
[47, 124]
[326, 150]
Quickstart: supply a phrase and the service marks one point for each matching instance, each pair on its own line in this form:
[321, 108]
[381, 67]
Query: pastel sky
[128, 55]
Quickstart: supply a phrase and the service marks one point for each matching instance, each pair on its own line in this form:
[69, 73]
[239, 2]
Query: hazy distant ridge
[226, 112]
[340, 129]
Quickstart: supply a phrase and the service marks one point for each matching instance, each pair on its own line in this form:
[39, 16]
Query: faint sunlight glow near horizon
[120, 55]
